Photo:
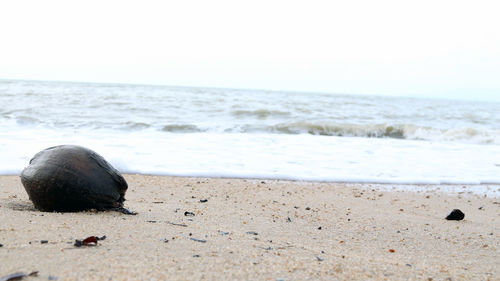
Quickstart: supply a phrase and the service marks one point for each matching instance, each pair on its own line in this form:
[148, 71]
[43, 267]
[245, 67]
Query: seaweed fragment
[89, 241]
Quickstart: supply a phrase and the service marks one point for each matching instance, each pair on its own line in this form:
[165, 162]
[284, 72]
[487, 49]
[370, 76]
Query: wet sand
[235, 229]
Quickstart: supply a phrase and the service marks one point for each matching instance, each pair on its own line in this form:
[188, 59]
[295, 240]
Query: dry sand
[255, 230]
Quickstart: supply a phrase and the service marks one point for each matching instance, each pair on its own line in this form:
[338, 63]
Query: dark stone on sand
[455, 215]
[1, 245]
[189, 214]
[71, 178]
[44, 241]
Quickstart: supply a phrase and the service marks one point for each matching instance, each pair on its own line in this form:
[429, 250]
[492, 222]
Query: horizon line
[253, 89]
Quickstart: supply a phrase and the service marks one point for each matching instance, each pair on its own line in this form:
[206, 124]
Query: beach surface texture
[237, 229]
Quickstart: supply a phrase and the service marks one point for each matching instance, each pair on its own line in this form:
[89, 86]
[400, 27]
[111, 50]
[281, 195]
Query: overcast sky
[409, 48]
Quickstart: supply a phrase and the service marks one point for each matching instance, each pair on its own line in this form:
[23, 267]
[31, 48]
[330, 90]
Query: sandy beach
[236, 229]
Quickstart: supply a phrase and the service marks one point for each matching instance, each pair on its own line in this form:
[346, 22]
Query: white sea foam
[254, 134]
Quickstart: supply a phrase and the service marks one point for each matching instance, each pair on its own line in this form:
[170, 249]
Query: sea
[235, 133]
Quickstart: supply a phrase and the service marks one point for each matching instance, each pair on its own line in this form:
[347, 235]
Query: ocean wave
[259, 113]
[184, 128]
[130, 125]
[396, 131]
[27, 120]
[342, 130]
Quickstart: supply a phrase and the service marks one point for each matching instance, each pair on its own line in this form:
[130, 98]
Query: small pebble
[455, 215]
[44, 241]
[190, 214]
[203, 200]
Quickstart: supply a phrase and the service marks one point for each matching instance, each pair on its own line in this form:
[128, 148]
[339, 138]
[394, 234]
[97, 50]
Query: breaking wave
[184, 128]
[259, 113]
[405, 131]
[130, 125]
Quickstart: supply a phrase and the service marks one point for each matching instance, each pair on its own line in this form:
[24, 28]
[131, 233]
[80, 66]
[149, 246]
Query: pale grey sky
[409, 48]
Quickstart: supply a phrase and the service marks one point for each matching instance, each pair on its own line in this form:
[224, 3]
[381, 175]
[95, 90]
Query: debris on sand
[455, 215]
[89, 241]
[69, 178]
[198, 240]
[188, 214]
[17, 276]
[177, 224]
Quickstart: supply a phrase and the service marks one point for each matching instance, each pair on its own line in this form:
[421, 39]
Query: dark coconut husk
[71, 178]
